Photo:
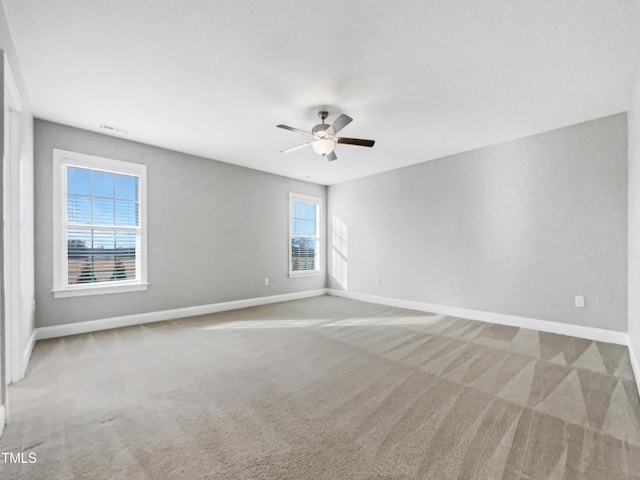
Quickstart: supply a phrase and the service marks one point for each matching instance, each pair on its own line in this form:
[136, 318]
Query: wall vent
[113, 130]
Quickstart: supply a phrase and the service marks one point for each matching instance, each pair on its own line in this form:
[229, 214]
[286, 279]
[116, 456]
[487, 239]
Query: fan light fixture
[323, 146]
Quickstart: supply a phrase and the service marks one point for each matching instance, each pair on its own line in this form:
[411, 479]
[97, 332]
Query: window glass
[102, 220]
[304, 238]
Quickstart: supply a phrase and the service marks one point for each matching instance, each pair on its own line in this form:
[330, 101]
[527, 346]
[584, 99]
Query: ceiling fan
[323, 136]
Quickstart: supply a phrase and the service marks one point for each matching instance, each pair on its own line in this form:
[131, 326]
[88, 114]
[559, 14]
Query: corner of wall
[327, 239]
[633, 225]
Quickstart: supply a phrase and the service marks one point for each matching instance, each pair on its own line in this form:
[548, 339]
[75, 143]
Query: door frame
[12, 228]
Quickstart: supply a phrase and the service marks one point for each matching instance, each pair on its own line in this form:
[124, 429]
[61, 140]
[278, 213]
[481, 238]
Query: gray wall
[215, 230]
[634, 227]
[518, 228]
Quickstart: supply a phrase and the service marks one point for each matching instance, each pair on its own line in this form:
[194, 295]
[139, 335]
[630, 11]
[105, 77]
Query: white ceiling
[423, 78]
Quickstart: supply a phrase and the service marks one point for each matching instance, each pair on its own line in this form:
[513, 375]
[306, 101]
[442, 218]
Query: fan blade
[331, 156]
[297, 147]
[355, 141]
[287, 127]
[339, 123]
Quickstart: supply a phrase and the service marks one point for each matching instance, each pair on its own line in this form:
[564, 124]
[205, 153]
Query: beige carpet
[325, 388]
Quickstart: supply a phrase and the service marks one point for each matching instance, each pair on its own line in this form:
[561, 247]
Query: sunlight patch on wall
[340, 251]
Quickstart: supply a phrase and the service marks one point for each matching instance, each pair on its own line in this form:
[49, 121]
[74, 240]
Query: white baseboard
[590, 333]
[26, 355]
[42, 333]
[20, 362]
[635, 364]
[2, 419]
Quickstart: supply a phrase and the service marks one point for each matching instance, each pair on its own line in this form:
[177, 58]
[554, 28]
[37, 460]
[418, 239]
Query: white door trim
[12, 225]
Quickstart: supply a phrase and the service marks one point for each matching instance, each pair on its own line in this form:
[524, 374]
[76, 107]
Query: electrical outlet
[579, 301]
[378, 281]
[266, 281]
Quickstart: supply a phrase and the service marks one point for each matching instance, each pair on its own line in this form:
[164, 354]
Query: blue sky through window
[103, 184]
[303, 218]
[78, 181]
[103, 198]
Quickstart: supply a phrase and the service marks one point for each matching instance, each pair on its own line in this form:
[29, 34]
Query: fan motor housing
[320, 130]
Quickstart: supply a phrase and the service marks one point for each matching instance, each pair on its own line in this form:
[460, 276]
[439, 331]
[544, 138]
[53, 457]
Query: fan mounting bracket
[323, 114]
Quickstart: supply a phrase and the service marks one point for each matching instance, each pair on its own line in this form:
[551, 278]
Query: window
[304, 235]
[99, 225]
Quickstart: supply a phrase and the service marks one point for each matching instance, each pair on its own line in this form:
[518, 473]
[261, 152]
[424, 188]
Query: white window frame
[318, 203]
[61, 160]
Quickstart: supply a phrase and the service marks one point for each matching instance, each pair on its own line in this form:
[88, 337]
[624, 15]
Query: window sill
[98, 290]
[314, 273]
